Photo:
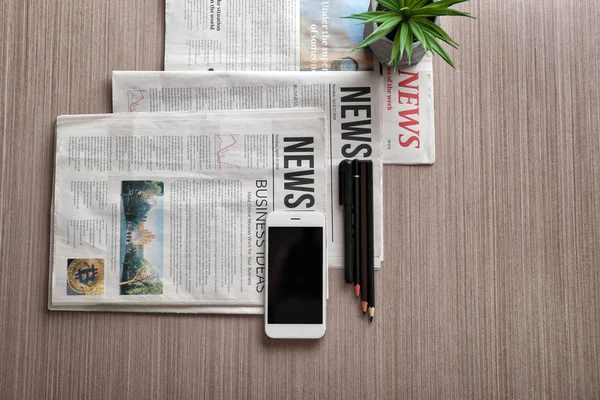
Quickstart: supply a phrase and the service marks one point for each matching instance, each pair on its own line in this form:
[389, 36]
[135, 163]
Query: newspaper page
[350, 99]
[408, 114]
[264, 35]
[168, 209]
[303, 35]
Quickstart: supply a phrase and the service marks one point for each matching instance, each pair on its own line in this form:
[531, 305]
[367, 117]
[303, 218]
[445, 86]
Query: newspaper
[408, 116]
[350, 99]
[264, 35]
[168, 209]
[303, 35]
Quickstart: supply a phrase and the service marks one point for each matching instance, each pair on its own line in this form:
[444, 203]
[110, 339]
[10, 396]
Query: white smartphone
[296, 275]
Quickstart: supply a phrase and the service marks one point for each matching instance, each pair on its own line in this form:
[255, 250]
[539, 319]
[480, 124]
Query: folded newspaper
[168, 209]
[350, 99]
[303, 35]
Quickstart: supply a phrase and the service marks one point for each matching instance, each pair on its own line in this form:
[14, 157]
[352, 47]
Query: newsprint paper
[303, 35]
[166, 211]
[350, 99]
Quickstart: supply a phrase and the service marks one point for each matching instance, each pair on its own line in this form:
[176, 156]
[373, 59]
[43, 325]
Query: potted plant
[400, 32]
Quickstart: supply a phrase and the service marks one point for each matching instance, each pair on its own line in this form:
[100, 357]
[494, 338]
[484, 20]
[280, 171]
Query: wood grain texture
[491, 286]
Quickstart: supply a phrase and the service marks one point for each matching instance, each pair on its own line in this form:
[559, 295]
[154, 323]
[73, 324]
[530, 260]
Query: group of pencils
[356, 195]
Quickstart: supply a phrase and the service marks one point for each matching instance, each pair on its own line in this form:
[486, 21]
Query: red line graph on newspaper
[134, 101]
[221, 152]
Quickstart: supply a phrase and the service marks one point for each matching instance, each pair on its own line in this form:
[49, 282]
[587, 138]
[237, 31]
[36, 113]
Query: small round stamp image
[85, 276]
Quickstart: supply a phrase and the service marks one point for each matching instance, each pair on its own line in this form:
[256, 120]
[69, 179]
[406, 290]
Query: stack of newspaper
[160, 207]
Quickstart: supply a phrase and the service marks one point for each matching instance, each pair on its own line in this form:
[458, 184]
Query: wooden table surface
[491, 287]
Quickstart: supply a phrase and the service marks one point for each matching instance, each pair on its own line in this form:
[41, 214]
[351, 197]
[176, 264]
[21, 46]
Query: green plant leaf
[379, 19]
[403, 38]
[380, 32]
[422, 12]
[417, 31]
[420, 35]
[436, 47]
[409, 46]
[367, 15]
[418, 3]
[443, 4]
[396, 49]
[390, 5]
[435, 30]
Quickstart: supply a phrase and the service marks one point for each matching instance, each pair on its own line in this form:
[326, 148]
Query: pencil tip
[371, 319]
[363, 306]
[371, 313]
[357, 290]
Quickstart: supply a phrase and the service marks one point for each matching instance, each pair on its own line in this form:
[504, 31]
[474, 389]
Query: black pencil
[370, 243]
[364, 236]
[356, 220]
[345, 200]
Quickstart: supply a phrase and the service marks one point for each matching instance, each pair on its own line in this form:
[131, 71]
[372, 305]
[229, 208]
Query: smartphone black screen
[295, 275]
